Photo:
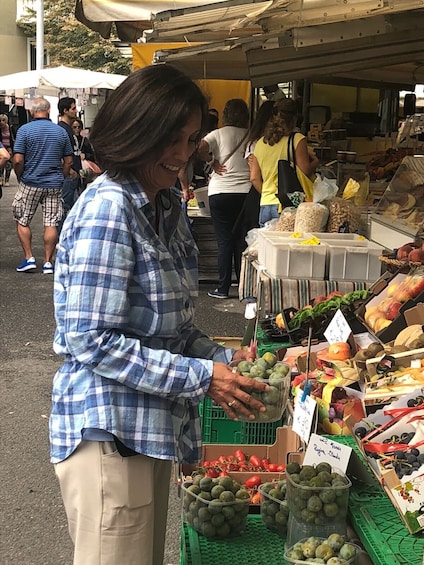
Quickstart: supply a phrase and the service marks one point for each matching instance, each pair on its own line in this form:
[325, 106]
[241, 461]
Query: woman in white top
[228, 186]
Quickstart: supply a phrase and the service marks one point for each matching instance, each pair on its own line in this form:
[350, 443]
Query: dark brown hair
[282, 122]
[142, 116]
[262, 118]
[236, 113]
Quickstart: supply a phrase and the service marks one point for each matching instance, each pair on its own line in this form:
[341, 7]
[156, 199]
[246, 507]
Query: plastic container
[296, 261]
[267, 238]
[275, 511]
[356, 260]
[352, 548]
[275, 399]
[318, 505]
[212, 518]
[297, 530]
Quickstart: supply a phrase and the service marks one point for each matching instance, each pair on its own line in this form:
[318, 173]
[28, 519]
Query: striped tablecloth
[278, 293]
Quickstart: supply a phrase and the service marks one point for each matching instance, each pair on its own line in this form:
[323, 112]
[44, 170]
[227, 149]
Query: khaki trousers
[116, 506]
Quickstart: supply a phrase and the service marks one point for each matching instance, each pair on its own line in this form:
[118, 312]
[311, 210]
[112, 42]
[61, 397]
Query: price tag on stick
[303, 416]
[338, 329]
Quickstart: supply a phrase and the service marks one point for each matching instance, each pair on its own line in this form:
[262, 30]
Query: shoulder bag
[288, 181]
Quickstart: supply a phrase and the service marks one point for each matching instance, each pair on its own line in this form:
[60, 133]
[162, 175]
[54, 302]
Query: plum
[347, 551]
[335, 541]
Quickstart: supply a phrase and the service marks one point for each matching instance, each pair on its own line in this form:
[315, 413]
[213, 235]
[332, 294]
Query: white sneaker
[48, 268]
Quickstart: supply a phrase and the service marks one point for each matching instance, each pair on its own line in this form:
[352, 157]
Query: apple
[416, 286]
[381, 324]
[371, 310]
[404, 251]
[416, 256]
[385, 305]
[391, 289]
[373, 318]
[393, 311]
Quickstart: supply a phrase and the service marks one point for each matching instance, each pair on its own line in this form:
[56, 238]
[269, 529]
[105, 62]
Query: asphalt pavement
[33, 529]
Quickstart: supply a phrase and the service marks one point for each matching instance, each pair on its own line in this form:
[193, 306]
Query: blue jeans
[225, 209]
[267, 213]
[69, 196]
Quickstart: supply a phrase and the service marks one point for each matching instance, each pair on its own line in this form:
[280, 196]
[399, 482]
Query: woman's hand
[226, 390]
[218, 168]
[243, 355]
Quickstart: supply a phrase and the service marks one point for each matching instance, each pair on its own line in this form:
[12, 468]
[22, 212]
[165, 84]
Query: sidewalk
[32, 522]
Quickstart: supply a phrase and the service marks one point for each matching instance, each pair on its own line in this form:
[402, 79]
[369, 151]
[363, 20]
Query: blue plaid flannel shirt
[135, 365]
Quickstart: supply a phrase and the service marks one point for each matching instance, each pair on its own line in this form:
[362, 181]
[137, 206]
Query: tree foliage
[71, 43]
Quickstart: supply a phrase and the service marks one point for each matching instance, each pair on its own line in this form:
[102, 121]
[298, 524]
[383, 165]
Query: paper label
[338, 329]
[324, 449]
[303, 416]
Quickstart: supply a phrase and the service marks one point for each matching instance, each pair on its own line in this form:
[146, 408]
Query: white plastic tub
[295, 261]
[202, 197]
[354, 260]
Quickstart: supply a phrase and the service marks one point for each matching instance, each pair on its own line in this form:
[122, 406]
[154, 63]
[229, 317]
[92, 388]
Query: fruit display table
[278, 293]
[375, 521]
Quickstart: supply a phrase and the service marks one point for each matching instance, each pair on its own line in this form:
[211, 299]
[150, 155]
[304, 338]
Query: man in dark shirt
[67, 114]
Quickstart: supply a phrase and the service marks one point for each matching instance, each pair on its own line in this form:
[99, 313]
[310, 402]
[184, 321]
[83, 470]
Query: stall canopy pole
[40, 35]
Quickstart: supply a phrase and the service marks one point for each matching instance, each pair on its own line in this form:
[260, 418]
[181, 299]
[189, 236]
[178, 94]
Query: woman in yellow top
[270, 149]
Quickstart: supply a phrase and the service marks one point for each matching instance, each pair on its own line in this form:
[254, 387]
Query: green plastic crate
[384, 535]
[265, 345]
[255, 545]
[218, 428]
[359, 491]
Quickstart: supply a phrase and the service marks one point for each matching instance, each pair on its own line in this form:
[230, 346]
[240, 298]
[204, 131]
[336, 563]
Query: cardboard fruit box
[286, 446]
[406, 494]
[384, 312]
[384, 387]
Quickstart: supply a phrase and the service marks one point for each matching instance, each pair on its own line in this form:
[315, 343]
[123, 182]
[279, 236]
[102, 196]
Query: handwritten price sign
[303, 416]
[324, 449]
[338, 329]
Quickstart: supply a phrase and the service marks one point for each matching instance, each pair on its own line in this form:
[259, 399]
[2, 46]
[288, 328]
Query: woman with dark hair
[86, 153]
[228, 186]
[272, 147]
[125, 400]
[248, 218]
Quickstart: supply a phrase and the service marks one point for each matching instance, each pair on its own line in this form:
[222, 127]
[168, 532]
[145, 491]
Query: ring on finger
[231, 404]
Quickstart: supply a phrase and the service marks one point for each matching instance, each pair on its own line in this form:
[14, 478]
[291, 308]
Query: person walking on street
[227, 189]
[42, 159]
[125, 400]
[67, 114]
[7, 139]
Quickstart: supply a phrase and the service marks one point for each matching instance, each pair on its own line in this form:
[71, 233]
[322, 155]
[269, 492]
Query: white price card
[303, 416]
[338, 329]
[324, 449]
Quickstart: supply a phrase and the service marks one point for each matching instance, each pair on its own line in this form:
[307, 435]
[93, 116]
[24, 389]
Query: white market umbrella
[59, 78]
